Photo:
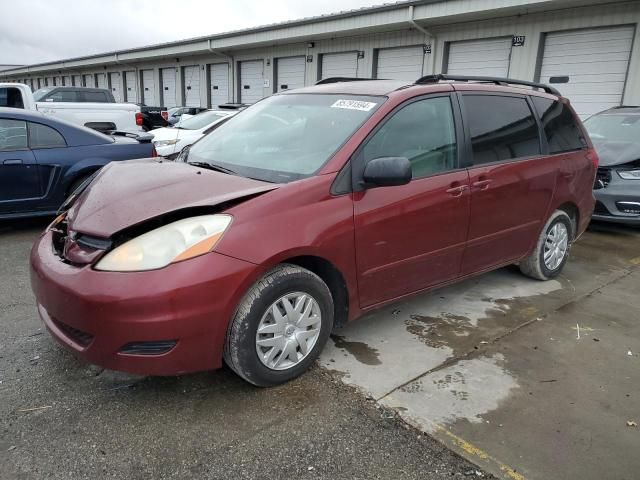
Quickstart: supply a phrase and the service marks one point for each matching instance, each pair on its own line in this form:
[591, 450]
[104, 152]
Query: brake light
[139, 119]
[593, 156]
[165, 115]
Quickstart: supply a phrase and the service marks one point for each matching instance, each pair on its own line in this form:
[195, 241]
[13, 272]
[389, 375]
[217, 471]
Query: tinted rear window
[560, 125]
[501, 128]
[41, 136]
[100, 97]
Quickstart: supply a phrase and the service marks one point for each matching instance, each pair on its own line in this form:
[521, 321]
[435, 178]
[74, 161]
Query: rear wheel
[280, 327]
[552, 250]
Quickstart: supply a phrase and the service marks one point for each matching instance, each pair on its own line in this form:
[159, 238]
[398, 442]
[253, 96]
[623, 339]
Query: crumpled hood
[616, 153]
[128, 193]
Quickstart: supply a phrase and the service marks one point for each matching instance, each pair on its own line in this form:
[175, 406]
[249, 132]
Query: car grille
[78, 336]
[90, 247]
[603, 178]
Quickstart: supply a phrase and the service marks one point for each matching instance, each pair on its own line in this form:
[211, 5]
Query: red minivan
[307, 210]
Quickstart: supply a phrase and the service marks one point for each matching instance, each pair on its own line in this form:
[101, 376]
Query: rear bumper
[95, 314]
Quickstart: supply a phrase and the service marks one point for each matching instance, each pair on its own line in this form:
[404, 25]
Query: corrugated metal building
[592, 42]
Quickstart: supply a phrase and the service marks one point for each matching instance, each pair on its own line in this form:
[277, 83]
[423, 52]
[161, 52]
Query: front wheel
[280, 327]
[552, 249]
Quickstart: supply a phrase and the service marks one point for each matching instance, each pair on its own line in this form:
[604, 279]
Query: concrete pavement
[493, 367]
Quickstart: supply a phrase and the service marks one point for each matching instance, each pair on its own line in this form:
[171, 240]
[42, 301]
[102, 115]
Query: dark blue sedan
[43, 160]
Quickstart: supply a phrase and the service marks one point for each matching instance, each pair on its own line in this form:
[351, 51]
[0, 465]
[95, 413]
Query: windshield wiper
[211, 166]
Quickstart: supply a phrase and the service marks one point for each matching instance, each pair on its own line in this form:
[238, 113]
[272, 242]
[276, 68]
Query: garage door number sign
[517, 41]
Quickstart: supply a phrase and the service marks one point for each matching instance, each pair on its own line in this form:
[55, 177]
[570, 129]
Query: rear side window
[11, 97]
[560, 126]
[99, 97]
[423, 132]
[41, 136]
[501, 128]
[62, 96]
[13, 135]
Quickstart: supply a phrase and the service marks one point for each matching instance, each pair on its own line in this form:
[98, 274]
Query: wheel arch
[573, 211]
[334, 279]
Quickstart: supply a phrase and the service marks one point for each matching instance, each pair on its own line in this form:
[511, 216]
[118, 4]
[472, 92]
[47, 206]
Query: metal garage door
[131, 94]
[290, 73]
[58, 81]
[115, 84]
[66, 81]
[88, 80]
[148, 88]
[489, 57]
[339, 65]
[191, 86]
[168, 82]
[251, 81]
[77, 80]
[400, 63]
[596, 62]
[101, 80]
[219, 83]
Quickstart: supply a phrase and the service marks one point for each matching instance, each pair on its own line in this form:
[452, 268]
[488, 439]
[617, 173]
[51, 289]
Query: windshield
[617, 127]
[38, 94]
[201, 120]
[285, 137]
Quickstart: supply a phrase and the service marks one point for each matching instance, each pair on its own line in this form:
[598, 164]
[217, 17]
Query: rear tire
[280, 326]
[552, 249]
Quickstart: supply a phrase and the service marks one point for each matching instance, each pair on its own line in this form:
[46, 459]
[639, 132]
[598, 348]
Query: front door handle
[481, 184]
[457, 191]
[13, 161]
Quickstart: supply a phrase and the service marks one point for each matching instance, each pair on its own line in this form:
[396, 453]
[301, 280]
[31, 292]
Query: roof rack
[496, 80]
[324, 81]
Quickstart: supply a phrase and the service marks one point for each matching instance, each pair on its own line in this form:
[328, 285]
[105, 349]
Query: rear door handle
[13, 161]
[481, 184]
[457, 191]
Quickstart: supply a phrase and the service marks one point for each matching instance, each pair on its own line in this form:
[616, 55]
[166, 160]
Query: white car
[170, 141]
[99, 115]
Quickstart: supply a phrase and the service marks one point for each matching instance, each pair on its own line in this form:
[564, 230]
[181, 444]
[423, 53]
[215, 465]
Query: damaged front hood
[616, 153]
[128, 193]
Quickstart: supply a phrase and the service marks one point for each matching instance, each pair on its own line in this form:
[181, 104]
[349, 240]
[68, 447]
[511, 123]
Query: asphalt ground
[63, 419]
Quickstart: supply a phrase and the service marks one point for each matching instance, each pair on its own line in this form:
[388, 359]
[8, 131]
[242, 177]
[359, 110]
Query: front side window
[13, 135]
[423, 132]
[42, 136]
[62, 96]
[560, 126]
[501, 128]
[285, 137]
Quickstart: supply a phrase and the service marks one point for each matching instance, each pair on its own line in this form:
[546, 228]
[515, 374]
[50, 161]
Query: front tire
[552, 249]
[280, 327]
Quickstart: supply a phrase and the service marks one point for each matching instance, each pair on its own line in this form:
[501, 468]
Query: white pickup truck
[100, 115]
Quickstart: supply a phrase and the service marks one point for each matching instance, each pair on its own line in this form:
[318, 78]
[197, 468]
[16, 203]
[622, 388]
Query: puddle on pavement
[461, 316]
[360, 350]
[467, 390]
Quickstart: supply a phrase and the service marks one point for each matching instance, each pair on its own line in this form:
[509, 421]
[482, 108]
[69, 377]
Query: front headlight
[630, 174]
[165, 143]
[171, 243]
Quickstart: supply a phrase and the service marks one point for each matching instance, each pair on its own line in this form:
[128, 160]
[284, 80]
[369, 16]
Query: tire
[250, 354]
[534, 265]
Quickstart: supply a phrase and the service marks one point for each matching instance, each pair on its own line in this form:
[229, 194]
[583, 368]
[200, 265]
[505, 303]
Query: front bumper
[610, 200]
[95, 314]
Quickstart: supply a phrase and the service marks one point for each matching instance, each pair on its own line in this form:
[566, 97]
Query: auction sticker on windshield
[354, 105]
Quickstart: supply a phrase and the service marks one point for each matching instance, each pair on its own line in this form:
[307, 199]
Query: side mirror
[387, 172]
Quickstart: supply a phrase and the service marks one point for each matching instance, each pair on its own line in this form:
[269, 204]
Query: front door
[20, 186]
[511, 182]
[411, 237]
